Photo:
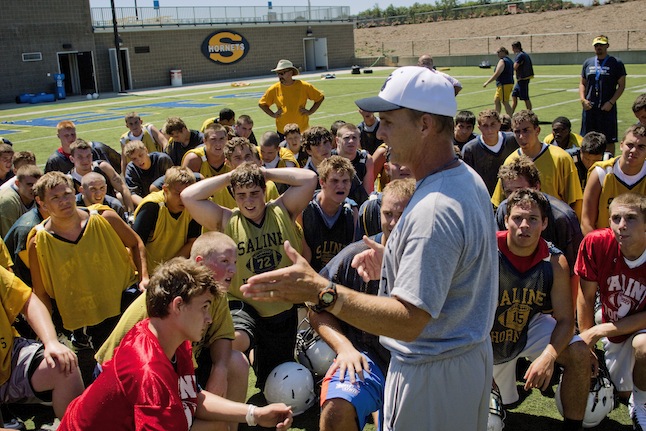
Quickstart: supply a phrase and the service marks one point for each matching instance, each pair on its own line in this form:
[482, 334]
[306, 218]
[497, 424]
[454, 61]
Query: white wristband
[250, 418]
[338, 304]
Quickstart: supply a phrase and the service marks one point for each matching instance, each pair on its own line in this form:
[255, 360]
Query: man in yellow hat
[603, 80]
[290, 97]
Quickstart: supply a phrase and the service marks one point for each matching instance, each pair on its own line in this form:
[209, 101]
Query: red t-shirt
[622, 290]
[139, 389]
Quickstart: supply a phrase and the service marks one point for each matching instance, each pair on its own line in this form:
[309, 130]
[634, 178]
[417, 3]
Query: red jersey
[139, 389]
[622, 290]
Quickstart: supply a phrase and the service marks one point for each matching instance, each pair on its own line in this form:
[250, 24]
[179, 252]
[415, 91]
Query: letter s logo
[225, 47]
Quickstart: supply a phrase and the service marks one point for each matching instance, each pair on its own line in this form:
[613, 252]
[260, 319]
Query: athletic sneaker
[9, 421]
[51, 427]
[637, 414]
[14, 424]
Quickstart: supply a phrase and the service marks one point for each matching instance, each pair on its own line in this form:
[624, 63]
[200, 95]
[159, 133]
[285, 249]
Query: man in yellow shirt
[559, 177]
[209, 160]
[290, 97]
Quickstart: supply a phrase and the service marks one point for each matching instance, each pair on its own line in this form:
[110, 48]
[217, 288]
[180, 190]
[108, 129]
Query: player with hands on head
[258, 229]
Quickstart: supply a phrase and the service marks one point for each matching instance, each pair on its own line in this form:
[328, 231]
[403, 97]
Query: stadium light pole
[116, 46]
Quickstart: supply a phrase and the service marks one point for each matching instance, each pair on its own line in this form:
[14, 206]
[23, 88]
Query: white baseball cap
[413, 87]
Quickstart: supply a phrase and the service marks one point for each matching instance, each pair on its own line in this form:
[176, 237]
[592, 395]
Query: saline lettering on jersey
[326, 251]
[624, 295]
[188, 391]
[260, 242]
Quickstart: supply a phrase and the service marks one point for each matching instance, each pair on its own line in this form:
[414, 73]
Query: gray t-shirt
[442, 258]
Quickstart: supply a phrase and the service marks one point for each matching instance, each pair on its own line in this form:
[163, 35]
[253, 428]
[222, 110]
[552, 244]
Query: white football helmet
[291, 383]
[601, 400]
[496, 421]
[313, 352]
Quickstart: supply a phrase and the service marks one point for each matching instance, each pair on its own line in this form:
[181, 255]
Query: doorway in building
[126, 77]
[78, 68]
[315, 49]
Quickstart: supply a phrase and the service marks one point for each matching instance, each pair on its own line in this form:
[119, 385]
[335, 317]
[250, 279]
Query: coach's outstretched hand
[297, 283]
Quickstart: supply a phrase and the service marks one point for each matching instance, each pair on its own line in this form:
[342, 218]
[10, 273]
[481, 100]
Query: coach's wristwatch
[327, 298]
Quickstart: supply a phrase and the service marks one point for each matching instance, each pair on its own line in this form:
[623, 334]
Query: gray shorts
[26, 356]
[446, 394]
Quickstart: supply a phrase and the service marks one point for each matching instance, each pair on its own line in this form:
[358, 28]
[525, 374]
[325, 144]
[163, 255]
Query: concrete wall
[39, 26]
[58, 26]
[181, 49]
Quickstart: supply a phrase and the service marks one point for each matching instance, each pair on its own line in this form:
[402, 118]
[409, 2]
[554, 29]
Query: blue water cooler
[60, 85]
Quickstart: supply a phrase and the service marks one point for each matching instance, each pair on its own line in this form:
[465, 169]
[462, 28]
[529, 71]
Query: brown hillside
[615, 20]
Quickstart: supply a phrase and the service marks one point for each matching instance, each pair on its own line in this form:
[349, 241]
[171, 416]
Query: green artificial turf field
[554, 92]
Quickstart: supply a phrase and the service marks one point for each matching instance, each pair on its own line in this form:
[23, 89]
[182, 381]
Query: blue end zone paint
[92, 117]
[96, 117]
[7, 131]
[173, 104]
[257, 95]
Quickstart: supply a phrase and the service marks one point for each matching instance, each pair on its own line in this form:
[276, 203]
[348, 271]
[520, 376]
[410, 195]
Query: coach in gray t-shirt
[439, 273]
[434, 260]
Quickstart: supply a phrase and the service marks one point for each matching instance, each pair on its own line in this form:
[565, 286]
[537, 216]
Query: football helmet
[291, 383]
[601, 399]
[496, 420]
[313, 352]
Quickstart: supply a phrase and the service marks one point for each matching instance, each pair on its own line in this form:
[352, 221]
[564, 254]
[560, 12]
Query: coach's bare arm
[389, 316]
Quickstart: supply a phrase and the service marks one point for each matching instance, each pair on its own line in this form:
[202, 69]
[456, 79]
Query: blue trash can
[60, 85]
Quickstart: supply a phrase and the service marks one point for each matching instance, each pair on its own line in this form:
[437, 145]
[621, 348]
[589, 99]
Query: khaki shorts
[503, 92]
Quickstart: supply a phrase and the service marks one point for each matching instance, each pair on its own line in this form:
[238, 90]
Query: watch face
[327, 298]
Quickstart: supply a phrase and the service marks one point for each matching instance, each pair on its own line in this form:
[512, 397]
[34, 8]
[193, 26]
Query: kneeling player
[535, 318]
[612, 261]
[150, 382]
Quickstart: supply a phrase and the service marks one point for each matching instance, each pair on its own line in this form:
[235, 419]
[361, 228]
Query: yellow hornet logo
[225, 47]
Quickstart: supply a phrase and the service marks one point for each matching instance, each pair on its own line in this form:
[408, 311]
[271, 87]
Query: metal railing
[622, 40]
[216, 15]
